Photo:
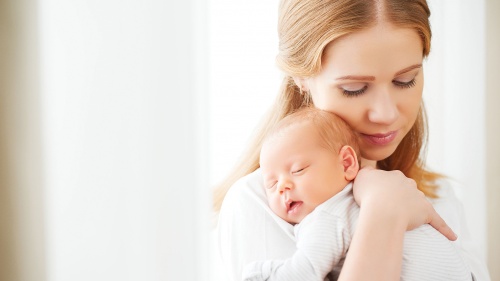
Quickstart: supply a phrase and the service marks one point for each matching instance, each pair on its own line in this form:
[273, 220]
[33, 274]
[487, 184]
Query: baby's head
[307, 158]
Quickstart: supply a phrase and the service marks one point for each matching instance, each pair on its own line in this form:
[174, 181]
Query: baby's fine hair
[334, 132]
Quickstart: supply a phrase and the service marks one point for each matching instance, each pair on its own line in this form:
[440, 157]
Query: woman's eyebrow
[372, 78]
[408, 69]
[356, 77]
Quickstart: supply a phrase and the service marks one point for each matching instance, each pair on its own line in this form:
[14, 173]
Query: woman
[361, 60]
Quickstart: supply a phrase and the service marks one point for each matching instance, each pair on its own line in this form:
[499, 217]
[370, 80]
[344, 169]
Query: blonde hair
[333, 131]
[305, 28]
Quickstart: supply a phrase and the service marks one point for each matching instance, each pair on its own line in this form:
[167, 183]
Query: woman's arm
[390, 205]
[376, 249]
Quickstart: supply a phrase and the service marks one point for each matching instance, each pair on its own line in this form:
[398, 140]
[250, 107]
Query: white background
[123, 86]
[117, 117]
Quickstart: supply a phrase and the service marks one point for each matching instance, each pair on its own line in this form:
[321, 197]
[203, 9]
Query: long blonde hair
[305, 28]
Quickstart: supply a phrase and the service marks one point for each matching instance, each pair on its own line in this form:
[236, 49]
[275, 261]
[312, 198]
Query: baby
[308, 162]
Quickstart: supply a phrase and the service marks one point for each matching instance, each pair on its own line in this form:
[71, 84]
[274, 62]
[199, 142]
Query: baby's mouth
[292, 206]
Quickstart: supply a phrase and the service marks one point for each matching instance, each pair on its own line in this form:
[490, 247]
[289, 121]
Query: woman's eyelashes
[353, 92]
[404, 85]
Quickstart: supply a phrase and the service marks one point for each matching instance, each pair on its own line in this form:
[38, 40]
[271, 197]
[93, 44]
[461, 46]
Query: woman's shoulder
[248, 230]
[246, 201]
[247, 188]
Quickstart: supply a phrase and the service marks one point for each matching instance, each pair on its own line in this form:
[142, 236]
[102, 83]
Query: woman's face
[373, 79]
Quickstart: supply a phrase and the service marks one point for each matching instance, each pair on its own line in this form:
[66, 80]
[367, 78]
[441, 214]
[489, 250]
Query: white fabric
[249, 231]
[452, 211]
[324, 236]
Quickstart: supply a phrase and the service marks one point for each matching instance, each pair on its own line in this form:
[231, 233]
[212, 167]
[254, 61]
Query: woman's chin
[374, 155]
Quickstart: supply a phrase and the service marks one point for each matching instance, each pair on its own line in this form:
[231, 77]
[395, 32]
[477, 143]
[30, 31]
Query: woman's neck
[370, 163]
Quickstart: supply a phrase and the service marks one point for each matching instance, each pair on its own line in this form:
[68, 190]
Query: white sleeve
[428, 255]
[322, 240]
[248, 230]
[452, 211]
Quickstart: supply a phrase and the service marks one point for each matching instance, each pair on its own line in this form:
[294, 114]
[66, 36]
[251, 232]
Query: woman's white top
[249, 231]
[323, 238]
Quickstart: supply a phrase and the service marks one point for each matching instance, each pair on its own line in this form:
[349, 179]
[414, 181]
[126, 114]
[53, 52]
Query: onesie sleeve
[323, 238]
[322, 241]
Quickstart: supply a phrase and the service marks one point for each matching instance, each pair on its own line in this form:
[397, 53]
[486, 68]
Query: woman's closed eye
[356, 89]
[404, 84]
[352, 90]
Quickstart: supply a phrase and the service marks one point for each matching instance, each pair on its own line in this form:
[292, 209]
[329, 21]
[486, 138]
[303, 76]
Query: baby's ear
[349, 162]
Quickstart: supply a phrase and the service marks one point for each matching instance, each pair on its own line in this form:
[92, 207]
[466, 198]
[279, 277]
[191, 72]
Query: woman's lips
[380, 139]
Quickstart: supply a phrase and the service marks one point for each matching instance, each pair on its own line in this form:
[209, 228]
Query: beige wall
[493, 134]
[21, 208]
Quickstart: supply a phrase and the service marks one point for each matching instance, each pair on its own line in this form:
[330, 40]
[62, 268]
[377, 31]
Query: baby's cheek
[273, 203]
[277, 207]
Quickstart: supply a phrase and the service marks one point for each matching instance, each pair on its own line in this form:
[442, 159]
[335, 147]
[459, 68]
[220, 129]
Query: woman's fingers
[394, 196]
[440, 225]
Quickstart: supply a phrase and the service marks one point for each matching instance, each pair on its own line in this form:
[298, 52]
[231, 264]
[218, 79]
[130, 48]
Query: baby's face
[299, 172]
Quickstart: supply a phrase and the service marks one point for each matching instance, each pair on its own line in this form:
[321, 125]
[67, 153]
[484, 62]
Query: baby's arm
[322, 241]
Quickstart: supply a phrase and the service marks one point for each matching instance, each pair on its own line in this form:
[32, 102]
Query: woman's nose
[383, 109]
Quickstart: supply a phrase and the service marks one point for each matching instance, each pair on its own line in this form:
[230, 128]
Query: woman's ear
[301, 83]
[349, 162]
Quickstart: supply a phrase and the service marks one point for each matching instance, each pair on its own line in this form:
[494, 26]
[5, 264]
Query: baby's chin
[296, 217]
[293, 220]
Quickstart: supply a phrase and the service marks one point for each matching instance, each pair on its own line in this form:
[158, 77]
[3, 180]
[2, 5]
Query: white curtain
[455, 95]
[103, 140]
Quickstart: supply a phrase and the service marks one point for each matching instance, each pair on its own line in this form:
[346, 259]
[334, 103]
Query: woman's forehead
[377, 51]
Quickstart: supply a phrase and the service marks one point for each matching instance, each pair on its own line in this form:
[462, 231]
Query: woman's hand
[390, 205]
[390, 195]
